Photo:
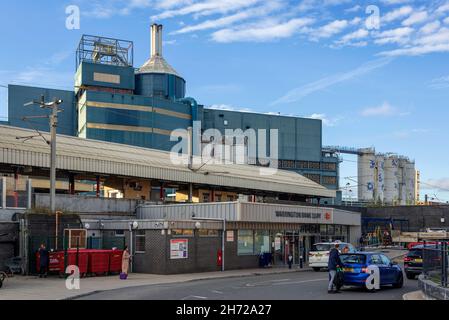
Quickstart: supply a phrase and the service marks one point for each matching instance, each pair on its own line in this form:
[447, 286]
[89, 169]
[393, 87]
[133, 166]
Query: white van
[319, 255]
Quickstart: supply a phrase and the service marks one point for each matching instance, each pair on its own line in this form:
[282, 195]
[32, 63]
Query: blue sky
[375, 84]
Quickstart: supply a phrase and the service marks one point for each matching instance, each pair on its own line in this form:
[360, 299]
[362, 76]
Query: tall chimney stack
[156, 40]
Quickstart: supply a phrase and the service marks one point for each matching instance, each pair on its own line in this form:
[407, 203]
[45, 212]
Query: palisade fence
[62, 244]
[435, 263]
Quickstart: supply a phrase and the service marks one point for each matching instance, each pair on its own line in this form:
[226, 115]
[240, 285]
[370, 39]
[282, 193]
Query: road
[306, 285]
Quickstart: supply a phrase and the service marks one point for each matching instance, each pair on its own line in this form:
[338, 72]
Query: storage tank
[410, 182]
[380, 179]
[366, 174]
[156, 78]
[391, 192]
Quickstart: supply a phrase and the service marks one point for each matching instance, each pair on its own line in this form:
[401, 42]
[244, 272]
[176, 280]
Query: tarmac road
[292, 286]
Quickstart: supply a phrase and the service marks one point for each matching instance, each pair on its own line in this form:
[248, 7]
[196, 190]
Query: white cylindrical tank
[391, 192]
[380, 179]
[366, 174]
[410, 182]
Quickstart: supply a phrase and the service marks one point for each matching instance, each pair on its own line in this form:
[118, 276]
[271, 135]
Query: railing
[435, 262]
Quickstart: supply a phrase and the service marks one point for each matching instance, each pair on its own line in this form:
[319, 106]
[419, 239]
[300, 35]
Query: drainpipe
[29, 193]
[4, 192]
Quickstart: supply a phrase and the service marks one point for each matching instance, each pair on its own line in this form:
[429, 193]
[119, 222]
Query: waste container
[83, 260]
[98, 261]
[115, 261]
[56, 262]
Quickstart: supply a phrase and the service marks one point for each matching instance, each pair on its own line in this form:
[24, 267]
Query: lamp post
[53, 105]
[223, 236]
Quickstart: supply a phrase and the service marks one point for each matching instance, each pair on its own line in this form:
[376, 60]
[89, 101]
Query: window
[182, 232]
[338, 230]
[323, 229]
[314, 177]
[330, 229]
[314, 165]
[140, 241]
[208, 233]
[262, 242]
[302, 165]
[230, 198]
[206, 197]
[287, 164]
[218, 198]
[245, 242]
[353, 259]
[119, 233]
[385, 260]
[329, 166]
[375, 259]
[329, 180]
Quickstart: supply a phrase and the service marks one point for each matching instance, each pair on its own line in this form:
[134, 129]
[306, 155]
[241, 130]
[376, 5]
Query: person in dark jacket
[44, 257]
[333, 264]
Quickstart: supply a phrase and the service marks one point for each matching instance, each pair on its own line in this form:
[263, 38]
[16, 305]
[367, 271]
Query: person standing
[333, 264]
[126, 257]
[44, 257]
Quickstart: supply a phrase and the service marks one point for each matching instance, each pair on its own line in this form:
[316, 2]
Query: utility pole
[53, 117]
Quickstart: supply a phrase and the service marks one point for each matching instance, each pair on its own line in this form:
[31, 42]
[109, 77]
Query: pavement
[415, 295]
[53, 288]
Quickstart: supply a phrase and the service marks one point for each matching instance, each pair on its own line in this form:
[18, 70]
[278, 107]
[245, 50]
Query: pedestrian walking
[290, 261]
[126, 257]
[333, 265]
[43, 261]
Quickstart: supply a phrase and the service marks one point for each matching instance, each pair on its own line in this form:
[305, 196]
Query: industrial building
[115, 102]
[383, 178]
[386, 178]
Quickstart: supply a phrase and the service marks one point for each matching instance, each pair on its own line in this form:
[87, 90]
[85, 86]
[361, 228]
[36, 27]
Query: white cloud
[349, 38]
[327, 121]
[444, 8]
[231, 19]
[264, 31]
[206, 8]
[446, 21]
[416, 18]
[397, 13]
[440, 83]
[384, 110]
[395, 2]
[430, 27]
[329, 29]
[354, 9]
[319, 85]
[399, 35]
[439, 184]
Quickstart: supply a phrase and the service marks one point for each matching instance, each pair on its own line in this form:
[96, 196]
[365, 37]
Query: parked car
[413, 261]
[355, 268]
[319, 255]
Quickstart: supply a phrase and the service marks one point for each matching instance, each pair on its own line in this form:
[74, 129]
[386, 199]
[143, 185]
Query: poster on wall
[230, 236]
[179, 249]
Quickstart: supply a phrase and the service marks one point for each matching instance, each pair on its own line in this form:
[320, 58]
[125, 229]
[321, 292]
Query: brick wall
[9, 245]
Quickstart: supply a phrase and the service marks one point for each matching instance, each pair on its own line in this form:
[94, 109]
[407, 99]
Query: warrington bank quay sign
[307, 217]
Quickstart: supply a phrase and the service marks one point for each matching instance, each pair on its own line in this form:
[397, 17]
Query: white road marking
[195, 297]
[215, 291]
[299, 282]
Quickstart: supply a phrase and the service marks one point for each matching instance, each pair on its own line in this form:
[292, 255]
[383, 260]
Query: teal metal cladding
[19, 95]
[86, 75]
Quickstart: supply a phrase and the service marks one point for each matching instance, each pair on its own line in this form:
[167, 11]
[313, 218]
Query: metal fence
[435, 262]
